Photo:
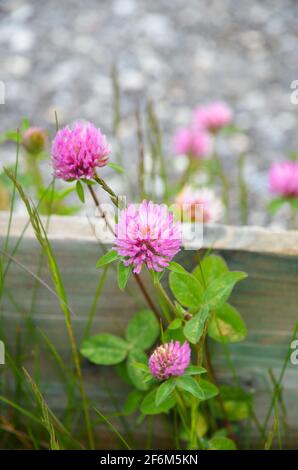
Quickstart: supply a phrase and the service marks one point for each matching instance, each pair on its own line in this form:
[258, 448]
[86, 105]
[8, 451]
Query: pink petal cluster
[283, 178]
[147, 235]
[213, 117]
[34, 139]
[170, 360]
[200, 205]
[192, 141]
[77, 152]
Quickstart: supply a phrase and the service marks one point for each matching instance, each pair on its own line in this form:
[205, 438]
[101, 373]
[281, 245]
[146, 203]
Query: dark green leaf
[149, 407]
[189, 384]
[222, 443]
[107, 258]
[177, 268]
[195, 370]
[80, 191]
[164, 391]
[104, 349]
[123, 273]
[226, 325]
[186, 288]
[209, 389]
[142, 330]
[135, 373]
[194, 327]
[212, 267]
[132, 402]
[175, 324]
[218, 292]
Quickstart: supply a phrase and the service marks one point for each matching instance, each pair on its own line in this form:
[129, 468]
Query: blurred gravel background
[57, 55]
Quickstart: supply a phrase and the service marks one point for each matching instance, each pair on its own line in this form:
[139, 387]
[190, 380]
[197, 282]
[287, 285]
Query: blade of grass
[105, 419]
[59, 287]
[54, 444]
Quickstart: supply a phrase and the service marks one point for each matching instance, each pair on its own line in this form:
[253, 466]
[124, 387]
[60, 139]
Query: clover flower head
[78, 151]
[283, 178]
[147, 235]
[213, 116]
[170, 360]
[200, 205]
[192, 141]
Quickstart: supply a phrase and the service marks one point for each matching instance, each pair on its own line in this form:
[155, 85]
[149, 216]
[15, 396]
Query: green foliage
[219, 290]
[116, 167]
[142, 330]
[135, 373]
[104, 349]
[189, 384]
[164, 391]
[210, 268]
[226, 325]
[132, 402]
[194, 328]
[107, 258]
[123, 273]
[186, 288]
[222, 443]
[80, 191]
[149, 406]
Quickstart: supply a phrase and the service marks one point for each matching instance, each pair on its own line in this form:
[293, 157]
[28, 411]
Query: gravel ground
[58, 56]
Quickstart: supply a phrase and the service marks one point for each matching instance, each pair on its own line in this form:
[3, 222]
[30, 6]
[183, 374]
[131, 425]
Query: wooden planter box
[268, 301]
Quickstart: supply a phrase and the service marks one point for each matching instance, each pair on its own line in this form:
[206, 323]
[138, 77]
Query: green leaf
[222, 443]
[186, 288]
[194, 327]
[156, 276]
[142, 330]
[121, 370]
[237, 410]
[175, 335]
[195, 370]
[116, 167]
[123, 273]
[164, 391]
[175, 324]
[226, 325]
[132, 402]
[149, 407]
[275, 204]
[177, 268]
[209, 389]
[80, 191]
[135, 373]
[218, 292]
[212, 267]
[104, 349]
[189, 384]
[107, 258]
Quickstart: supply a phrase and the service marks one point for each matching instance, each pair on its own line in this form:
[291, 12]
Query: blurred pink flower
[213, 117]
[147, 235]
[34, 139]
[192, 141]
[170, 360]
[77, 152]
[200, 205]
[283, 178]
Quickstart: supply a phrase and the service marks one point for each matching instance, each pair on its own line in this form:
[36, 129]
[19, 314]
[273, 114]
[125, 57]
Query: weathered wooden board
[268, 301]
